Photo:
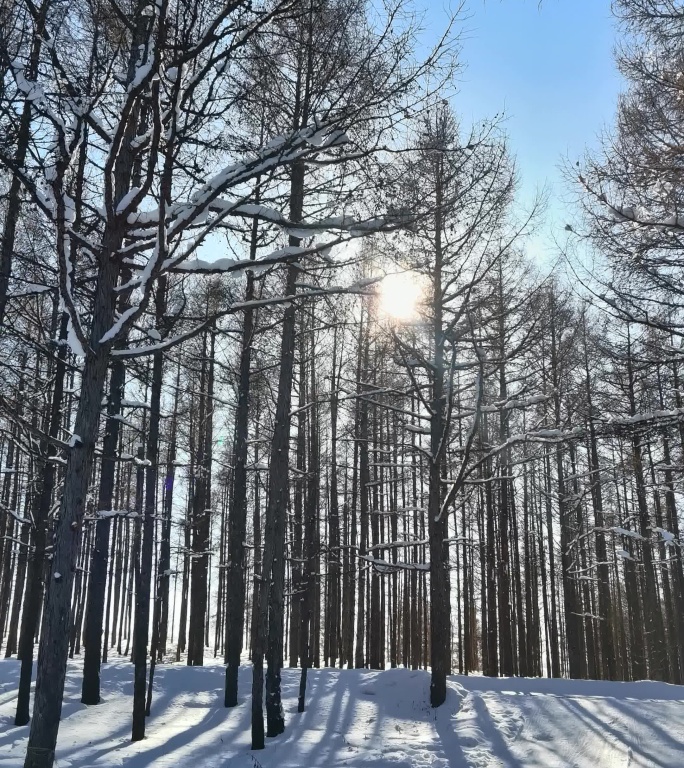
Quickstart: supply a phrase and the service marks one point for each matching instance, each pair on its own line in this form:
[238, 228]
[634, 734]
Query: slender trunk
[438, 519]
[90, 690]
[364, 482]
[142, 612]
[492, 667]
[23, 140]
[53, 651]
[605, 608]
[653, 620]
[309, 552]
[504, 569]
[36, 569]
[553, 638]
[270, 618]
[237, 515]
[165, 547]
[298, 588]
[333, 602]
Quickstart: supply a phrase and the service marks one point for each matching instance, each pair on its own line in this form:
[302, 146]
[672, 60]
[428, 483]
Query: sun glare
[400, 295]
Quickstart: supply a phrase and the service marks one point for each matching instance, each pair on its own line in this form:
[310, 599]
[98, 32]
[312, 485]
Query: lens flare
[400, 296]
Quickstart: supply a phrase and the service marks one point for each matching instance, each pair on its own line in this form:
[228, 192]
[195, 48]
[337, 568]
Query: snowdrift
[363, 718]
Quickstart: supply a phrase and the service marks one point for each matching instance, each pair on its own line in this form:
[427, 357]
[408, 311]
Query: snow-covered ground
[366, 719]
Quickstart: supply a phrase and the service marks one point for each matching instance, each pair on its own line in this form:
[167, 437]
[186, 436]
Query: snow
[231, 265]
[73, 341]
[32, 90]
[259, 465]
[362, 719]
[625, 532]
[384, 566]
[30, 289]
[417, 430]
[103, 514]
[119, 324]
[127, 199]
[201, 265]
[668, 537]
[141, 73]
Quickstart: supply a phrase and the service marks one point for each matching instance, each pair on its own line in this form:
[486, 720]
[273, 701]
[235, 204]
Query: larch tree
[464, 184]
[168, 69]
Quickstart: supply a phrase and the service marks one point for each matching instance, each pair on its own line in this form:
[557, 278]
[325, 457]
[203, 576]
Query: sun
[400, 295]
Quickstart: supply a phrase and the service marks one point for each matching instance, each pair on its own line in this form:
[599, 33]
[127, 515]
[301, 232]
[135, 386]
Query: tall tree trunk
[491, 634]
[36, 568]
[438, 519]
[333, 583]
[142, 608]
[270, 618]
[310, 525]
[23, 140]
[298, 589]
[165, 546]
[237, 515]
[271, 595]
[553, 639]
[504, 569]
[653, 620]
[200, 528]
[603, 572]
[364, 482]
[90, 689]
[53, 651]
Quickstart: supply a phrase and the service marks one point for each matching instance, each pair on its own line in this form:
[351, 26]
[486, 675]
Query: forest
[281, 386]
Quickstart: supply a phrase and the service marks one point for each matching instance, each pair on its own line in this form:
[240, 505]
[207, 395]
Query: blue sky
[550, 68]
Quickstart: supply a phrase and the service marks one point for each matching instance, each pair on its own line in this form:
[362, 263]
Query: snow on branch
[238, 306]
[105, 514]
[383, 566]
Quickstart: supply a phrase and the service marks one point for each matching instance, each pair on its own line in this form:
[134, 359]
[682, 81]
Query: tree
[467, 185]
[151, 103]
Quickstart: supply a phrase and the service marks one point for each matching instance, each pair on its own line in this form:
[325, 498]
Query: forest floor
[363, 718]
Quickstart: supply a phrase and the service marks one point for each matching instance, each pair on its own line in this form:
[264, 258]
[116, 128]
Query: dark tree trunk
[438, 528]
[165, 546]
[199, 562]
[22, 142]
[36, 567]
[270, 618]
[492, 667]
[309, 551]
[237, 515]
[603, 572]
[53, 651]
[553, 628]
[142, 608]
[653, 620]
[364, 482]
[333, 644]
[90, 690]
